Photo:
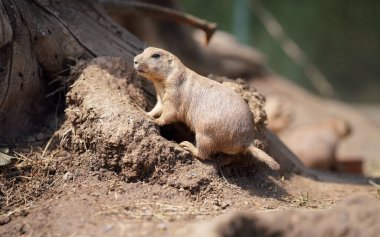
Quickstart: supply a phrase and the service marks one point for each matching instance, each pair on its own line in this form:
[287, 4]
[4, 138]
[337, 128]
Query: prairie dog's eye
[156, 55]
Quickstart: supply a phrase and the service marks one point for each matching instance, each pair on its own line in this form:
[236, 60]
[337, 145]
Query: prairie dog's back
[210, 104]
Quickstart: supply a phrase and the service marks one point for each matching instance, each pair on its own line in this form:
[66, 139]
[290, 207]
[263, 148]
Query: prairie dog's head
[341, 127]
[156, 64]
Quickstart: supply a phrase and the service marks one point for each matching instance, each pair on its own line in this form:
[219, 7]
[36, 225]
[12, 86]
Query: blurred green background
[341, 37]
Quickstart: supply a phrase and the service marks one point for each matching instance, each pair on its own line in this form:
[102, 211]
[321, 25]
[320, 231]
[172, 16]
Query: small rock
[4, 220]
[68, 176]
[162, 226]
[24, 212]
[216, 202]
[224, 205]
[108, 227]
[24, 229]
[5, 159]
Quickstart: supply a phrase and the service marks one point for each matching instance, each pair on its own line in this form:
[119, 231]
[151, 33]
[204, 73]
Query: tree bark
[40, 39]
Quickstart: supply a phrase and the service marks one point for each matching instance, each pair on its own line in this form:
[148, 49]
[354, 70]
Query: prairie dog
[316, 144]
[220, 118]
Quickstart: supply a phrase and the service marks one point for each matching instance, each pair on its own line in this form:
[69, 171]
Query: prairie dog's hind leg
[202, 151]
[188, 146]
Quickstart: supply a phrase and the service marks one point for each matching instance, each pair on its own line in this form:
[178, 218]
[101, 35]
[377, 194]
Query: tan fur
[220, 118]
[316, 144]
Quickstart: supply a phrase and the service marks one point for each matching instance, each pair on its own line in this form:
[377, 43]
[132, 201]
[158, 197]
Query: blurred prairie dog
[220, 118]
[316, 144]
[279, 112]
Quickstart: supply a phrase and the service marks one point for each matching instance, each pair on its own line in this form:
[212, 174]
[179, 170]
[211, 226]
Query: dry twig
[162, 12]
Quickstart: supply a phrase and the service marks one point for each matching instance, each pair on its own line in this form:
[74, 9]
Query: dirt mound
[105, 115]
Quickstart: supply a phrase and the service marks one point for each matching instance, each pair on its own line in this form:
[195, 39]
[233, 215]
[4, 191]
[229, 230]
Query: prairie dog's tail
[264, 157]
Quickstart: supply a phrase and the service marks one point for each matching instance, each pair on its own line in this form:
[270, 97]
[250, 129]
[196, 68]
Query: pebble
[162, 226]
[4, 220]
[67, 176]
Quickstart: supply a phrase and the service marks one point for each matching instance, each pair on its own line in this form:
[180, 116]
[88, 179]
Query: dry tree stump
[40, 39]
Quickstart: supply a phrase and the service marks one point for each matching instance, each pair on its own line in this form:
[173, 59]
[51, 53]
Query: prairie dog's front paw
[159, 121]
[150, 114]
[154, 114]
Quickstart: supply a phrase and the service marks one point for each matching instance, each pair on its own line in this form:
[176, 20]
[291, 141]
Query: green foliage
[341, 37]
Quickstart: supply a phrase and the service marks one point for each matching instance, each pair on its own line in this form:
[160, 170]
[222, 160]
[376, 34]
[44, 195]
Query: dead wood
[222, 56]
[146, 9]
[21, 84]
[39, 39]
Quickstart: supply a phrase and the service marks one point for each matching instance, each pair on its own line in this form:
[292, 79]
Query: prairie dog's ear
[170, 58]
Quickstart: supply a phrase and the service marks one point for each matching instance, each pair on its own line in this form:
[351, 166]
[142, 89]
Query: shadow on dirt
[242, 171]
